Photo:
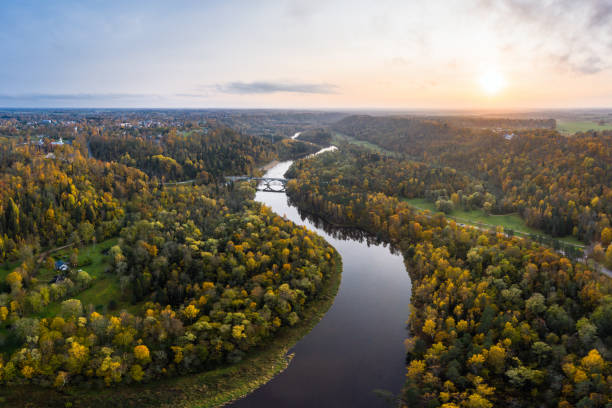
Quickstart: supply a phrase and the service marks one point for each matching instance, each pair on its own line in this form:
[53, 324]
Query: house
[61, 266]
[60, 142]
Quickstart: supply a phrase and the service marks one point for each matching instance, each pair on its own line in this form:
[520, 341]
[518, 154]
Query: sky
[311, 54]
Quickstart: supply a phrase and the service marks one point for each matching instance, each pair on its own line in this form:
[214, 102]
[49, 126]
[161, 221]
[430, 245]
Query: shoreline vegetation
[483, 304]
[476, 218]
[214, 388]
[215, 210]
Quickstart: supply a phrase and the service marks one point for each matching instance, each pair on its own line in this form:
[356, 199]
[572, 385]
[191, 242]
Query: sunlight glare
[492, 82]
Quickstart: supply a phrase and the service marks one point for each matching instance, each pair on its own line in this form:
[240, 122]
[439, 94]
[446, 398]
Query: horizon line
[321, 109]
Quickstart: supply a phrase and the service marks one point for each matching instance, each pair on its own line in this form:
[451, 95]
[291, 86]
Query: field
[478, 218]
[339, 138]
[104, 287]
[570, 127]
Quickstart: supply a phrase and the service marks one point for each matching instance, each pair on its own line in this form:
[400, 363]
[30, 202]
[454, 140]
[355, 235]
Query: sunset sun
[492, 82]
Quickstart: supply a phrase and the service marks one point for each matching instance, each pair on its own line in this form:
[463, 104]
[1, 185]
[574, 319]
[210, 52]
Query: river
[358, 345]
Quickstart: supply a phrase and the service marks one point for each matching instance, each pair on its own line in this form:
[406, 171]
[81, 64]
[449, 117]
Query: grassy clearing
[571, 127]
[339, 138]
[91, 257]
[480, 219]
[209, 389]
[105, 287]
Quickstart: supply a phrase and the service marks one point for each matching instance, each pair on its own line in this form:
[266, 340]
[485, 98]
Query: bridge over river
[271, 184]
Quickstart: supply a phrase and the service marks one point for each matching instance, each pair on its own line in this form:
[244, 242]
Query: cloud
[574, 35]
[601, 13]
[302, 10]
[268, 87]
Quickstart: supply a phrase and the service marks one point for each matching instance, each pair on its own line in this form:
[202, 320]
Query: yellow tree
[141, 352]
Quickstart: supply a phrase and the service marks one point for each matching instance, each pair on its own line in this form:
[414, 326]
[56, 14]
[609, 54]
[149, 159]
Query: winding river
[357, 347]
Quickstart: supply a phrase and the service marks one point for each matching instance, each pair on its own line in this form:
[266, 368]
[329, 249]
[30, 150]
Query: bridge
[271, 184]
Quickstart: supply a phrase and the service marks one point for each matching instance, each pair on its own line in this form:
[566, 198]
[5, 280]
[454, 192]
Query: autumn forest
[128, 260]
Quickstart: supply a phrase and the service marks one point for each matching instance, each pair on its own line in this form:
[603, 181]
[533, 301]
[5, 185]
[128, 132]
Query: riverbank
[213, 388]
[269, 165]
[358, 347]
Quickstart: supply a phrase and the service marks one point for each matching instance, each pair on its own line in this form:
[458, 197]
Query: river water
[357, 347]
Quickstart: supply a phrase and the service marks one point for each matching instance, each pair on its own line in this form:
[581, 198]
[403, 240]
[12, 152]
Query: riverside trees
[495, 319]
[558, 184]
[202, 272]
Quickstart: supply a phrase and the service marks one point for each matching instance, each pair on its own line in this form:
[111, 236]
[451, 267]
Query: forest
[557, 184]
[204, 154]
[200, 275]
[203, 273]
[495, 319]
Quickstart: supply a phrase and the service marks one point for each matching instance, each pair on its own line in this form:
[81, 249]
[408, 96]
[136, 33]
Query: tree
[587, 331]
[14, 279]
[71, 308]
[141, 352]
[593, 362]
[83, 279]
[27, 328]
[74, 258]
[191, 312]
[78, 355]
[497, 357]
[137, 373]
[477, 401]
[86, 231]
[446, 206]
[429, 327]
[606, 236]
[541, 350]
[416, 368]
[609, 255]
[535, 304]
[12, 217]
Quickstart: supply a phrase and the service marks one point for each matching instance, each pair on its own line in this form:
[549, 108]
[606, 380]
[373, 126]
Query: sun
[492, 82]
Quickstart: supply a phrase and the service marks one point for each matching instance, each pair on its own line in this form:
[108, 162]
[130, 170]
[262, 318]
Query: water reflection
[339, 232]
[357, 348]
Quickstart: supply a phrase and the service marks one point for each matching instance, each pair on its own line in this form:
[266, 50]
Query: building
[60, 142]
[61, 266]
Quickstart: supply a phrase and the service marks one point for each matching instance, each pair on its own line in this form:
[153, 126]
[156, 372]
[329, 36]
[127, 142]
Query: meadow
[569, 127]
[480, 219]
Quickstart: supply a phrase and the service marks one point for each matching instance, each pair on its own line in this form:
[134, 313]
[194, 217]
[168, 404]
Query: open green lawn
[105, 287]
[338, 138]
[480, 219]
[571, 127]
[99, 294]
[94, 253]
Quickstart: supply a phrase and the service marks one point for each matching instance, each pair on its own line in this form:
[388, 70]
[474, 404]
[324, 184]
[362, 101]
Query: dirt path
[42, 256]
